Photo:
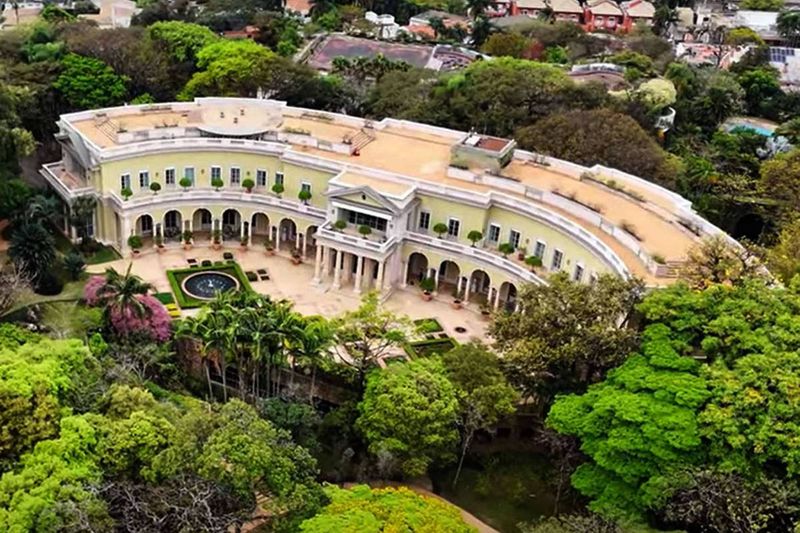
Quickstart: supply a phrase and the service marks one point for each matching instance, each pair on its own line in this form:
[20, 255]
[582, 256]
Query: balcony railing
[382, 246]
[65, 183]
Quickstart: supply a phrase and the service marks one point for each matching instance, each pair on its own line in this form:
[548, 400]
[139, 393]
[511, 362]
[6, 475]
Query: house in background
[638, 12]
[566, 10]
[602, 15]
[113, 13]
[531, 8]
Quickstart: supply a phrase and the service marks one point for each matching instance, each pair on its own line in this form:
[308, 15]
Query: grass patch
[104, 255]
[186, 301]
[429, 347]
[428, 325]
[164, 297]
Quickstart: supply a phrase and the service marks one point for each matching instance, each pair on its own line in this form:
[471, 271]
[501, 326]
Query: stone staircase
[360, 140]
[670, 269]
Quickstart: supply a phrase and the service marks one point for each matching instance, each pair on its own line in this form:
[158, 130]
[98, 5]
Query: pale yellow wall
[202, 163]
[466, 266]
[472, 218]
[532, 230]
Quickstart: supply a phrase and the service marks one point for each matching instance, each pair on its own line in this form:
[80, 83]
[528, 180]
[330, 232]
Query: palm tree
[312, 347]
[82, 210]
[121, 292]
[32, 249]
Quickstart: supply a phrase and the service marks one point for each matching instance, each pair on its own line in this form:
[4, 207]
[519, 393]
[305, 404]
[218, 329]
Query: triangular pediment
[364, 195]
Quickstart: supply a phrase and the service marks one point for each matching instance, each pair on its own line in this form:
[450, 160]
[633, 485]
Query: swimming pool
[761, 129]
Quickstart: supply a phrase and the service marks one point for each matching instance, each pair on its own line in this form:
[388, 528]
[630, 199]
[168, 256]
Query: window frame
[166, 177]
[279, 179]
[450, 221]
[238, 172]
[543, 244]
[212, 170]
[511, 234]
[146, 175]
[489, 238]
[194, 174]
[427, 226]
[266, 177]
[557, 253]
[124, 181]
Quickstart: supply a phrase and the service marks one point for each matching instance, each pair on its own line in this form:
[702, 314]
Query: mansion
[372, 205]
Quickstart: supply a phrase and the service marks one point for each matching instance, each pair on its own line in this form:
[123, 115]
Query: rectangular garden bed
[186, 301]
[428, 347]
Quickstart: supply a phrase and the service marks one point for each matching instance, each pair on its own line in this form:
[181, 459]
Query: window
[539, 249]
[188, 172]
[169, 176]
[363, 219]
[230, 218]
[513, 238]
[216, 173]
[578, 274]
[279, 178]
[125, 182]
[424, 220]
[236, 176]
[494, 233]
[144, 179]
[305, 186]
[261, 178]
[558, 257]
[453, 226]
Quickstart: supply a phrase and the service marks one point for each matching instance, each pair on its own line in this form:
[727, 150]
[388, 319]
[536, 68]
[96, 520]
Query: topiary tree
[126, 193]
[474, 236]
[135, 242]
[340, 224]
[440, 229]
[217, 183]
[533, 261]
[304, 195]
[248, 184]
[506, 248]
[278, 189]
[185, 182]
[155, 187]
[364, 230]
[74, 265]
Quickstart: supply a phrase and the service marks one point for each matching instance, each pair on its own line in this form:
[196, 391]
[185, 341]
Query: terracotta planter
[456, 304]
[217, 246]
[269, 252]
[486, 315]
[136, 253]
[427, 296]
[296, 260]
[160, 249]
[187, 246]
[243, 246]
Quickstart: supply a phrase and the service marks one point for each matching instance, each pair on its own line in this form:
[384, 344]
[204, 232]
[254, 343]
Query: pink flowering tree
[129, 309]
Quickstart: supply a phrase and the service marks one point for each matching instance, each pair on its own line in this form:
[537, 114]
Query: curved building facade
[420, 190]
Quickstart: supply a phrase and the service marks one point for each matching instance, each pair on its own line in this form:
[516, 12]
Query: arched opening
[449, 277]
[144, 229]
[259, 228]
[508, 296]
[201, 225]
[231, 225]
[173, 222]
[749, 227]
[310, 242]
[287, 231]
[417, 268]
[479, 283]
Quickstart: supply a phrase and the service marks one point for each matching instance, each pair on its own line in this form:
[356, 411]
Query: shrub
[474, 236]
[304, 195]
[217, 236]
[127, 193]
[340, 224]
[506, 248]
[49, 285]
[440, 228]
[185, 182]
[155, 186]
[364, 230]
[135, 242]
[278, 189]
[187, 236]
[248, 184]
[427, 284]
[74, 265]
[217, 183]
[533, 261]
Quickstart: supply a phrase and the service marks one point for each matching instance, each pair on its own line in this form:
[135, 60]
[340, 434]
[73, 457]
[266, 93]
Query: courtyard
[294, 283]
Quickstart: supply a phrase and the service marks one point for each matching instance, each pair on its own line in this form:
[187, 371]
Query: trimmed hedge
[185, 301]
[428, 347]
[164, 297]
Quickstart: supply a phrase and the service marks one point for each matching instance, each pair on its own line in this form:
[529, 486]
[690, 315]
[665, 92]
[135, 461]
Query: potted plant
[304, 196]
[474, 236]
[126, 193]
[427, 285]
[185, 182]
[269, 246]
[533, 261]
[506, 248]
[187, 240]
[244, 241]
[159, 244]
[486, 311]
[457, 300]
[248, 184]
[521, 251]
[278, 189]
[217, 183]
[364, 230]
[155, 187]
[297, 257]
[440, 229]
[216, 236]
[340, 225]
[135, 242]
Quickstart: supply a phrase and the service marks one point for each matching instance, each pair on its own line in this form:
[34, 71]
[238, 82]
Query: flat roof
[418, 152]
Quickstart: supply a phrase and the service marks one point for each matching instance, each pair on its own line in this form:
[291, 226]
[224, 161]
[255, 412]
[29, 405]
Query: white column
[326, 260]
[241, 229]
[379, 279]
[466, 291]
[269, 232]
[318, 265]
[297, 241]
[404, 282]
[337, 270]
[489, 296]
[434, 274]
[497, 299]
[305, 245]
[359, 274]
[126, 232]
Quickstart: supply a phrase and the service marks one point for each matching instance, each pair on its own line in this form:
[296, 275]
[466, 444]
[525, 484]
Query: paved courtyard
[294, 282]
